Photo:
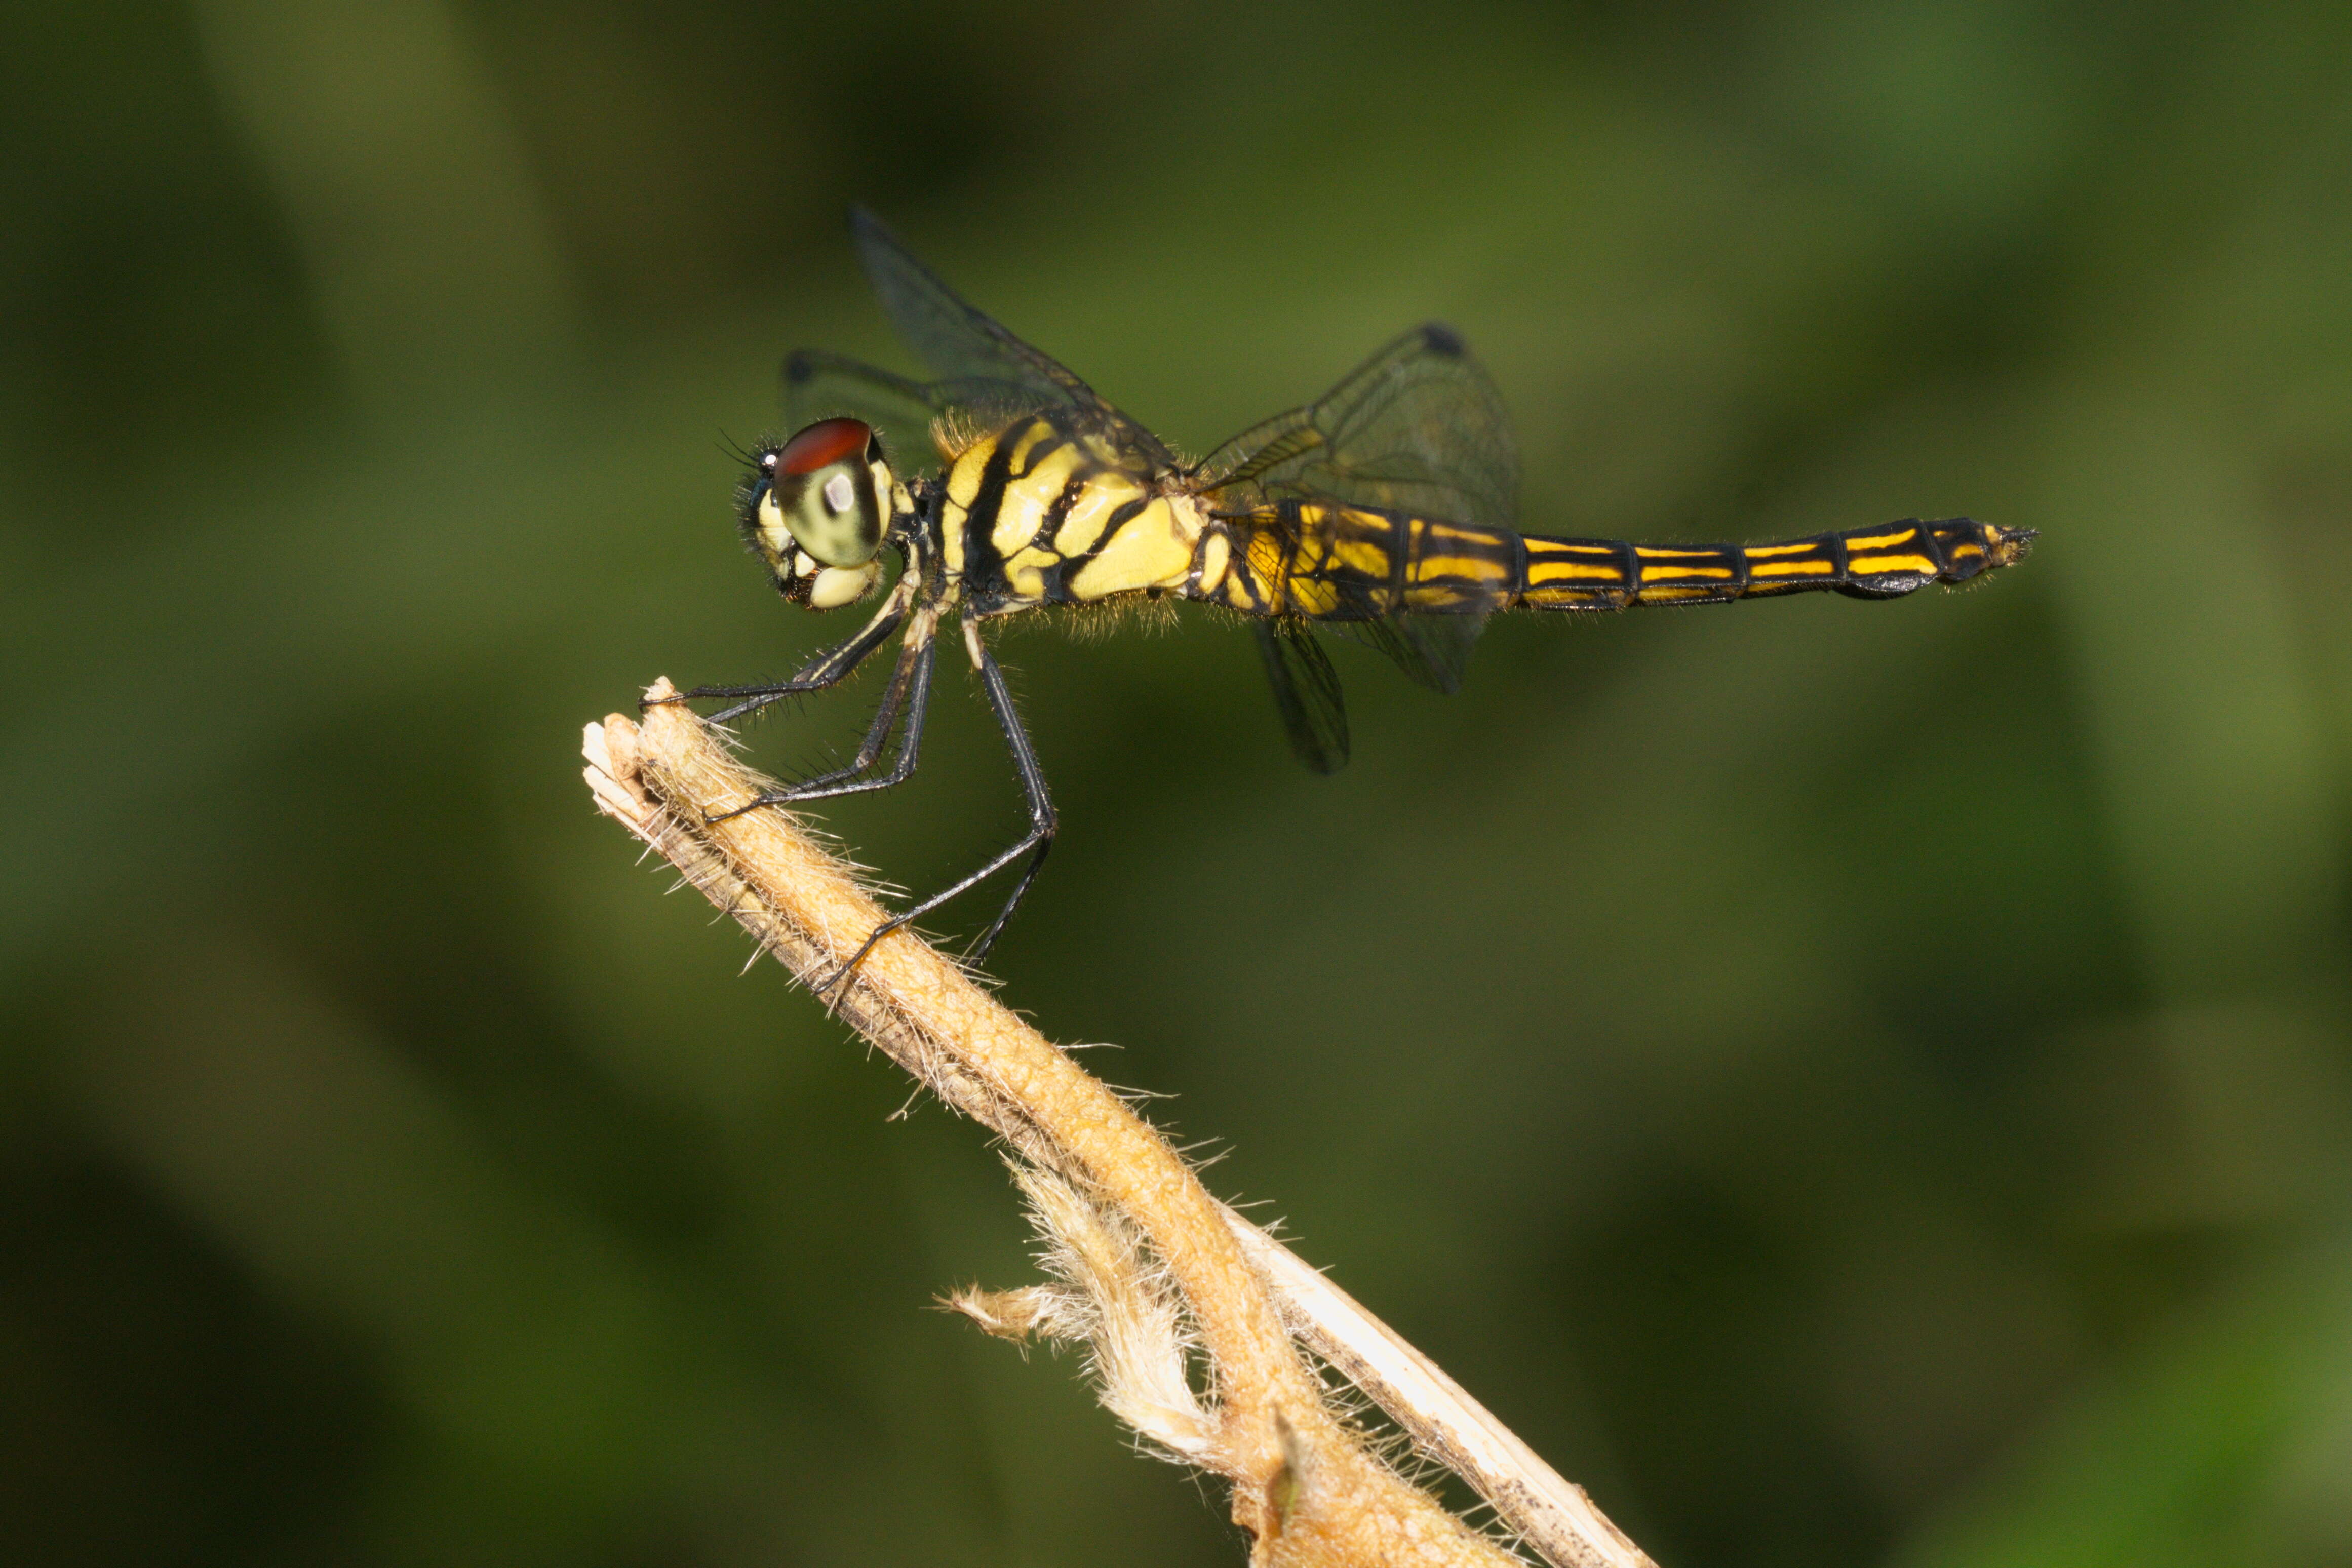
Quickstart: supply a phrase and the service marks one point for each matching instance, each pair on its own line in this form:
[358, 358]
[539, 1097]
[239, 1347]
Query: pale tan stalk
[1304, 1483]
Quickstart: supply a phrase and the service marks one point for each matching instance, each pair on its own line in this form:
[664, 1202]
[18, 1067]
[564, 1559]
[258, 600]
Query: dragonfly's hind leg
[1035, 843]
[1043, 822]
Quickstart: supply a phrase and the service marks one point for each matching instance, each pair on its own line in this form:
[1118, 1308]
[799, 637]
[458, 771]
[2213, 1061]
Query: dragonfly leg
[1043, 822]
[827, 669]
[1035, 843]
[910, 687]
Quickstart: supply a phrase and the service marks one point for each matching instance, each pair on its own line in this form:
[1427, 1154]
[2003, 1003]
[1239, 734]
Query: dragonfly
[1384, 511]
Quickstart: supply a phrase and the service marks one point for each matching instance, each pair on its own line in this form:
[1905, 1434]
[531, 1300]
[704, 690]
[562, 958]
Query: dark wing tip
[800, 368]
[875, 240]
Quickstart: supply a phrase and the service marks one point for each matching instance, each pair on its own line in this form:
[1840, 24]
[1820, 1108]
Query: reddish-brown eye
[826, 442]
[830, 491]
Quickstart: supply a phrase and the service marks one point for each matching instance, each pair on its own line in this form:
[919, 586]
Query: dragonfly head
[814, 510]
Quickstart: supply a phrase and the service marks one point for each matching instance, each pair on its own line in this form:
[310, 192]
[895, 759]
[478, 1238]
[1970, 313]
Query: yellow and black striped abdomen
[1334, 563]
[1879, 563]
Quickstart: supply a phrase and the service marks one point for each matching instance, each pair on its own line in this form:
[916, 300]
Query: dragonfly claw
[840, 974]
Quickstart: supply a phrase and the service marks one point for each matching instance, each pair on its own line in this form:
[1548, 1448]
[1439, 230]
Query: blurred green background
[1850, 1084]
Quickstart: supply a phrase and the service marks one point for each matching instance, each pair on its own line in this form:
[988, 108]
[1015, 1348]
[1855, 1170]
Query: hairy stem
[1304, 1483]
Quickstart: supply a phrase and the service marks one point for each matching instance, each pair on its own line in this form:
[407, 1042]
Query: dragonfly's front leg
[910, 688]
[1035, 843]
[828, 669]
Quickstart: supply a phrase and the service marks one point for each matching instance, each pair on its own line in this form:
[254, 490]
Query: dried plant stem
[1304, 1483]
[1546, 1512]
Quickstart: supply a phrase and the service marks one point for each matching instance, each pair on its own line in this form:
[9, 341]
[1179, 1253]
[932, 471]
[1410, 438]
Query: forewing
[1418, 427]
[978, 356]
[1305, 692]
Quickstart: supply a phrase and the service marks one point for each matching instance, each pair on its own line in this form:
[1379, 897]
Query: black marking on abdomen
[1883, 561]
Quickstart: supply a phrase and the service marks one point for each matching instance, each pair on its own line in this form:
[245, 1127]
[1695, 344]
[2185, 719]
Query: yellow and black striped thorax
[1053, 509]
[1323, 561]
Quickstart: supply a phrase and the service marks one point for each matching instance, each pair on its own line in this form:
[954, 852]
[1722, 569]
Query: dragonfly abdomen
[1335, 563]
[1880, 563]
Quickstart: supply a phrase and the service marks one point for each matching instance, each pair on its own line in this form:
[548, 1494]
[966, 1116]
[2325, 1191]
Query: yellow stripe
[1650, 552]
[1540, 571]
[1025, 572]
[1034, 432]
[1216, 551]
[1676, 591]
[1478, 568]
[1444, 596]
[1309, 597]
[1103, 494]
[1880, 541]
[1652, 573]
[1791, 569]
[963, 480]
[1249, 581]
[1872, 565]
[1757, 551]
[1369, 556]
[1150, 550]
[1029, 499]
[1446, 534]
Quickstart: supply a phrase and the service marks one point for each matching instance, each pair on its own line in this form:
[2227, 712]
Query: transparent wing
[820, 385]
[1305, 692]
[1432, 646]
[1433, 650]
[1418, 427]
[972, 349]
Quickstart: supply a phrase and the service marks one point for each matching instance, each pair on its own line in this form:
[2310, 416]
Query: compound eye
[826, 489]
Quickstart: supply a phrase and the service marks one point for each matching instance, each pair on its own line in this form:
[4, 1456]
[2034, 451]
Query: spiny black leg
[885, 718]
[1042, 818]
[825, 671]
[844, 781]
[910, 684]
[978, 951]
[1040, 836]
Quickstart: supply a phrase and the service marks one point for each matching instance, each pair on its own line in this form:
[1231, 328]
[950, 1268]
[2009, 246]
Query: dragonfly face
[815, 508]
[1384, 513]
